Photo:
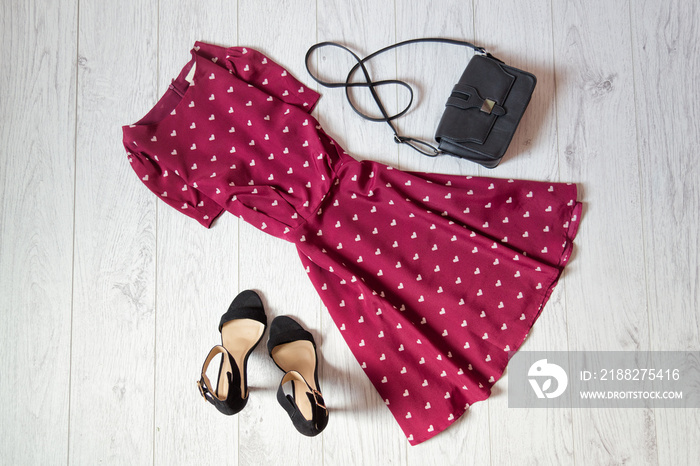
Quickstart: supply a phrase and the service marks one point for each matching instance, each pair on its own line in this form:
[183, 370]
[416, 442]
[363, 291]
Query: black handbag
[481, 114]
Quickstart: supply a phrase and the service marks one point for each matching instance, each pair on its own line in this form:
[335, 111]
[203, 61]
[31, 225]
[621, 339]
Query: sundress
[433, 280]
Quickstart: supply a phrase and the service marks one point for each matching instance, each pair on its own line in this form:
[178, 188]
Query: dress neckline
[167, 106]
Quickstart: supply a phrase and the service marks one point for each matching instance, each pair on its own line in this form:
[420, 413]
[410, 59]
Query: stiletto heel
[242, 328]
[294, 351]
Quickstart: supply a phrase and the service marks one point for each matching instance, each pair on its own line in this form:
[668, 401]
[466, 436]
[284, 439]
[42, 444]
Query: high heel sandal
[294, 351]
[242, 328]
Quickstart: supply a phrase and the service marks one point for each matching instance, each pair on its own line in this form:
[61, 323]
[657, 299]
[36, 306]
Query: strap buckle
[202, 389]
[318, 397]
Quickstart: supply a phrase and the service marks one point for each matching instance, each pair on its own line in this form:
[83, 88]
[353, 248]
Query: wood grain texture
[366, 431]
[665, 49]
[605, 293]
[432, 69]
[114, 297]
[525, 436]
[532, 153]
[115, 225]
[197, 276]
[272, 266]
[364, 27]
[197, 279]
[37, 174]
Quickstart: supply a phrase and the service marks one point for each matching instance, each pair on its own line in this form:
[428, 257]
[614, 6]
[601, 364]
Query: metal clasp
[201, 390]
[487, 106]
[319, 398]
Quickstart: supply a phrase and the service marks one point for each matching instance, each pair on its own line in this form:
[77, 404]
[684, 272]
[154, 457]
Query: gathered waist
[354, 181]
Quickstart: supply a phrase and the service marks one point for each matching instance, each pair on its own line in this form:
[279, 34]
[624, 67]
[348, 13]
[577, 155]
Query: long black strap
[416, 144]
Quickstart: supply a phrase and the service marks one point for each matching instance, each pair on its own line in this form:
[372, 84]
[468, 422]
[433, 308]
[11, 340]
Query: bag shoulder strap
[423, 147]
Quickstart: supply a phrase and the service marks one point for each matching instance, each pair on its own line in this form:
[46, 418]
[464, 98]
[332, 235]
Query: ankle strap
[204, 384]
[315, 397]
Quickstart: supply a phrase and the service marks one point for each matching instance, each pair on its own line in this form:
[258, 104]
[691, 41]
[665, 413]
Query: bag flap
[477, 100]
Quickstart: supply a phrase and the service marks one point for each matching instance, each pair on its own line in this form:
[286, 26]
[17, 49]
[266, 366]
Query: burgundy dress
[433, 280]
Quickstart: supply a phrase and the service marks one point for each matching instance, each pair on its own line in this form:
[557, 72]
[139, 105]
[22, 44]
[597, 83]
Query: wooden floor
[110, 300]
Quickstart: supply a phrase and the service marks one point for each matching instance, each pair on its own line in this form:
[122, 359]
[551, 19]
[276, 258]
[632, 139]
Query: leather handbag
[484, 110]
[481, 114]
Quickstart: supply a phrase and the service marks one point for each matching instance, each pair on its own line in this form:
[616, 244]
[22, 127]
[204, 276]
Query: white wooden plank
[282, 31]
[665, 47]
[432, 70]
[37, 173]
[605, 294]
[197, 280]
[367, 433]
[122, 398]
[527, 45]
[364, 27]
[529, 436]
[114, 290]
[197, 277]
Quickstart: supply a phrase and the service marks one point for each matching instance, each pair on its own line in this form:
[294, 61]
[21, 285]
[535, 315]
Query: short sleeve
[260, 71]
[173, 190]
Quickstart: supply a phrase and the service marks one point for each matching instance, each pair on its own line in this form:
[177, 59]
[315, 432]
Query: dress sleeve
[173, 190]
[260, 71]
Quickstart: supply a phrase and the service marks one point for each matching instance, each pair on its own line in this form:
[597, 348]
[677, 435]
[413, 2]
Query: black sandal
[294, 351]
[242, 328]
